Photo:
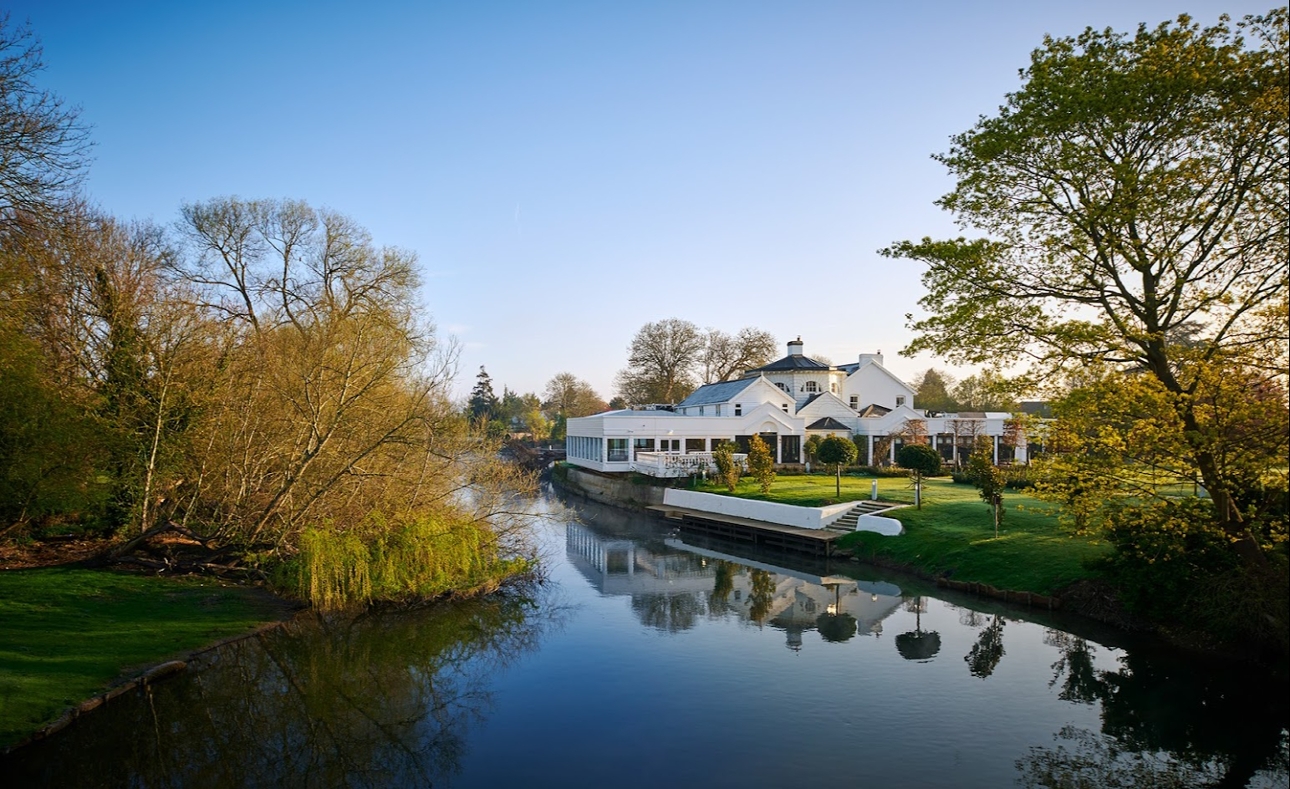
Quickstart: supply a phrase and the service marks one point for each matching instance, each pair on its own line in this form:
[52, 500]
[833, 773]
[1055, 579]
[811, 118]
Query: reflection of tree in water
[970, 618]
[835, 625]
[917, 645]
[987, 651]
[374, 701]
[722, 585]
[1164, 723]
[671, 613]
[761, 596]
[1083, 758]
[1082, 683]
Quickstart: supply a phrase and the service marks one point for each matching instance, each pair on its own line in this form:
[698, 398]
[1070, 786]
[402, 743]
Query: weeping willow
[420, 558]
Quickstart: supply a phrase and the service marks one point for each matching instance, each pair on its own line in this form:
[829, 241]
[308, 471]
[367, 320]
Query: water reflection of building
[674, 585]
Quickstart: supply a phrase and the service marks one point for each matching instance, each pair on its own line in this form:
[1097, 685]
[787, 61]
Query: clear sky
[567, 172]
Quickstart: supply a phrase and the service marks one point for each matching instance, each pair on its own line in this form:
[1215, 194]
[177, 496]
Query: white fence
[679, 464]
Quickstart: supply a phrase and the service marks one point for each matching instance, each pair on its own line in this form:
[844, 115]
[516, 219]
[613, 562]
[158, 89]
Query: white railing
[678, 464]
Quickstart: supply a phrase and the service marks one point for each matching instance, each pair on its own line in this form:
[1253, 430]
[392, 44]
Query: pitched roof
[794, 361]
[720, 392]
[827, 423]
[873, 409]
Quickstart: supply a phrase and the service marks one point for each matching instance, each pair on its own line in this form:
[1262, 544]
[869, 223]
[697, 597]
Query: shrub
[728, 469]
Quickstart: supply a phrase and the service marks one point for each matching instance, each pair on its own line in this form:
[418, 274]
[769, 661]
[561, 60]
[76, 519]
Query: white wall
[873, 384]
[764, 511]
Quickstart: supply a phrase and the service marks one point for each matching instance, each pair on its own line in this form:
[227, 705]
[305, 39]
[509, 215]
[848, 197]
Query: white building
[785, 402]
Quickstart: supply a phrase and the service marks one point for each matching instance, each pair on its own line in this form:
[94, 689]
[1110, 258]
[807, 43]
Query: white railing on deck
[678, 464]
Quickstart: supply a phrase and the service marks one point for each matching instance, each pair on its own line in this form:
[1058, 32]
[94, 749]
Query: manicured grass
[954, 532]
[815, 490]
[66, 634]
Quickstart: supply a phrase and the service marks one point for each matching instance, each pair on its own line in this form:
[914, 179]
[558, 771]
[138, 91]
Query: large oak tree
[1133, 197]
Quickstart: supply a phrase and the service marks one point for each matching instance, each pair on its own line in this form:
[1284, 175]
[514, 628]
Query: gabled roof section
[794, 361]
[873, 409]
[827, 423]
[720, 392]
[853, 369]
[811, 399]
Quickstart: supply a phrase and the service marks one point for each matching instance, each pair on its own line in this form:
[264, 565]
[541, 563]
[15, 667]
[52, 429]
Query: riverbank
[71, 633]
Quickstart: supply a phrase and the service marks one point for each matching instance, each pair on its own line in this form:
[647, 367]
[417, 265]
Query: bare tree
[971, 429]
[661, 361]
[726, 356]
[569, 396]
[43, 146]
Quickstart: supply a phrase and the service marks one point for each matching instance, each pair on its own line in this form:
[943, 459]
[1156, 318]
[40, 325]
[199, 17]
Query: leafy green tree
[761, 463]
[1133, 197]
[932, 390]
[728, 468]
[923, 461]
[988, 391]
[837, 452]
[989, 480]
[812, 446]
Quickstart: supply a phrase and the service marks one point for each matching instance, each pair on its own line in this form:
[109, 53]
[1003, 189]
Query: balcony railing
[678, 464]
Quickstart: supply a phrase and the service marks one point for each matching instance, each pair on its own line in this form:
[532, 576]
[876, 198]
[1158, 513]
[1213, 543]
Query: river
[644, 661]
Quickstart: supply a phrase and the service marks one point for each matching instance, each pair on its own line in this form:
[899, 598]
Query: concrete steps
[847, 523]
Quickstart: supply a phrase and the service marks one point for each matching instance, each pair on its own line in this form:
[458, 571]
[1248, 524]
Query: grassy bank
[953, 533]
[66, 634]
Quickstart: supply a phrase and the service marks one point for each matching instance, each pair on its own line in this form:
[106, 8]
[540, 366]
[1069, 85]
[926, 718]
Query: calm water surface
[649, 662]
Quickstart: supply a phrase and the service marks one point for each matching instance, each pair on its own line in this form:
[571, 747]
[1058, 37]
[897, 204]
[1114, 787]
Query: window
[700, 410]
[900, 400]
[617, 450]
[694, 445]
[855, 402]
[785, 407]
[640, 445]
[811, 386]
[833, 388]
[739, 409]
[718, 409]
[782, 386]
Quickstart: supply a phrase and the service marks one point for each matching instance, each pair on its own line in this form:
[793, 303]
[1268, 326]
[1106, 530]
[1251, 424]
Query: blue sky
[567, 172]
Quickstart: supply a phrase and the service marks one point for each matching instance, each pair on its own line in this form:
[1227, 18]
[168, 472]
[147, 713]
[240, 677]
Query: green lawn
[815, 490]
[953, 532]
[66, 634]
